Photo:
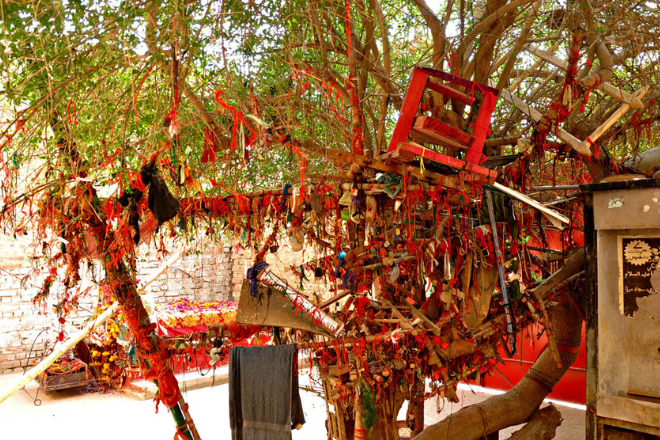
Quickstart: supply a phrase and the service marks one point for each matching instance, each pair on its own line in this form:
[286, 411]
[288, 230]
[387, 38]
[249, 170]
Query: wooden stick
[555, 188]
[552, 215]
[377, 186]
[350, 341]
[64, 346]
[529, 71]
[163, 267]
[574, 264]
[565, 136]
[552, 342]
[334, 299]
[59, 350]
[615, 117]
[402, 170]
[433, 350]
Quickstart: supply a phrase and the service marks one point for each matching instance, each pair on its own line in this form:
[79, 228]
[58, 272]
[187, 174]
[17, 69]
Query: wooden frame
[437, 131]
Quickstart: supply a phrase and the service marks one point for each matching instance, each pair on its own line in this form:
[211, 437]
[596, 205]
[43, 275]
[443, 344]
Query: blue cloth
[252, 276]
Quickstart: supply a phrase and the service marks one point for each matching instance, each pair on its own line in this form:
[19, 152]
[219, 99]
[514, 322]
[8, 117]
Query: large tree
[94, 88]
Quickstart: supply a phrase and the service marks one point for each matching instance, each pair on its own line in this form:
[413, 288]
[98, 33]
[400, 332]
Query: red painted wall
[571, 387]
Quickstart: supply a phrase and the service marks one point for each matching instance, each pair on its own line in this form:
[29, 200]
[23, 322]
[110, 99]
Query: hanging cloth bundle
[389, 179]
[162, 203]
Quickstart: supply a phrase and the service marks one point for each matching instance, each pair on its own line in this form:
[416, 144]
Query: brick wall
[204, 275]
[208, 273]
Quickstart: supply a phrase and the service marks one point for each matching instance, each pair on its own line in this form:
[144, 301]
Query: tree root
[542, 426]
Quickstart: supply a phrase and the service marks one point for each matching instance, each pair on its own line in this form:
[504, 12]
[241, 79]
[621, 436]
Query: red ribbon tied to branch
[209, 146]
[68, 110]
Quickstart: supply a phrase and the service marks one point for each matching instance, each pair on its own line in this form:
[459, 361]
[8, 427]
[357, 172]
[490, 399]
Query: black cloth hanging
[161, 202]
[264, 400]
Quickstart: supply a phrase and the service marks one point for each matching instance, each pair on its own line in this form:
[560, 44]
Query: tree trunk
[388, 406]
[518, 404]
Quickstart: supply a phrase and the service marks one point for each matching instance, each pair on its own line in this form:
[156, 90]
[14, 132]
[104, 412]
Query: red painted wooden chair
[438, 132]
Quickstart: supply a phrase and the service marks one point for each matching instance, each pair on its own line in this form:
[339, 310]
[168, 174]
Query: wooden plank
[397, 155]
[429, 123]
[481, 128]
[535, 115]
[409, 108]
[643, 412]
[437, 138]
[616, 93]
[418, 150]
[457, 80]
[532, 68]
[449, 92]
[614, 117]
[546, 56]
[552, 214]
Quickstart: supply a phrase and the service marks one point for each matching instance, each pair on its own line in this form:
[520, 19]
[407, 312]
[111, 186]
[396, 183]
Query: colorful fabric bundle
[186, 313]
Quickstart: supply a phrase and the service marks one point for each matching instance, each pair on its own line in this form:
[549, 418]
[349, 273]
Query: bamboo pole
[59, 350]
[163, 267]
[64, 346]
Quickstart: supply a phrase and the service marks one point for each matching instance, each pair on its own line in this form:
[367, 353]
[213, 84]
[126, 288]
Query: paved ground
[70, 415]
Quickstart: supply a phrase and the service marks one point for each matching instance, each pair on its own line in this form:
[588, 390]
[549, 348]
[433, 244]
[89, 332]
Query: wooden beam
[615, 117]
[408, 111]
[555, 217]
[562, 134]
[489, 175]
[432, 124]
[613, 91]
[449, 92]
[402, 170]
[482, 128]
